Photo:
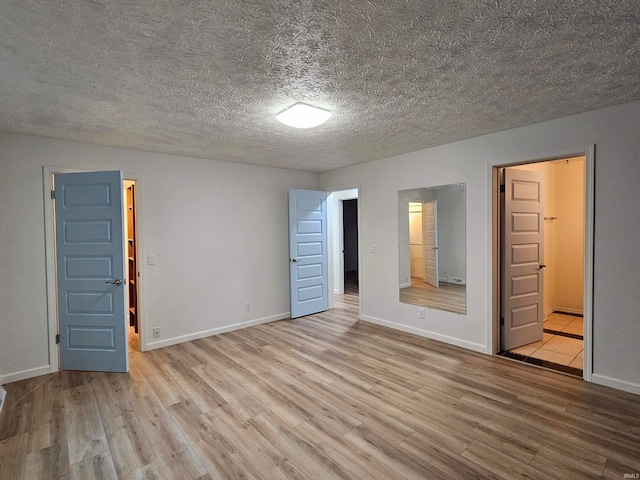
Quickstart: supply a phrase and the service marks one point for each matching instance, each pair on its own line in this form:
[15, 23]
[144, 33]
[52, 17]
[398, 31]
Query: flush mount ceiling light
[302, 115]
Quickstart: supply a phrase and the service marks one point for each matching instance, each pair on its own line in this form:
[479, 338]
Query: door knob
[542, 265]
[117, 281]
[294, 260]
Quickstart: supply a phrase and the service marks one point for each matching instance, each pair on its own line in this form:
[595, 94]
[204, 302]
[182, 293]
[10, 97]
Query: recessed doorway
[543, 284]
[350, 245]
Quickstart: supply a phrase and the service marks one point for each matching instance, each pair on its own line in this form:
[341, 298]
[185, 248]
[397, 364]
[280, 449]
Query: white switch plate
[372, 249]
[151, 259]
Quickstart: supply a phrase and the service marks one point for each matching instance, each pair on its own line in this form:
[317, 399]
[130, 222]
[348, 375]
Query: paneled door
[90, 271]
[430, 222]
[523, 253]
[308, 262]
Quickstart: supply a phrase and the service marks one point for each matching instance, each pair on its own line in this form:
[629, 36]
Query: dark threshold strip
[564, 334]
[569, 313]
[544, 363]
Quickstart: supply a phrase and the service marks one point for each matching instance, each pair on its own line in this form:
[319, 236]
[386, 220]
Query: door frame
[335, 222]
[589, 200]
[50, 257]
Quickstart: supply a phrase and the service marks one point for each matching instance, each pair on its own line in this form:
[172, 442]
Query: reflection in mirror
[432, 248]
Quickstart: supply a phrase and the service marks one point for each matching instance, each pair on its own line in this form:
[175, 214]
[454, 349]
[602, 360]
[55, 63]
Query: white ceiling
[206, 78]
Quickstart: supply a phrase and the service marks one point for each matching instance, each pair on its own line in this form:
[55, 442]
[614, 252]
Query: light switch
[372, 249]
[151, 259]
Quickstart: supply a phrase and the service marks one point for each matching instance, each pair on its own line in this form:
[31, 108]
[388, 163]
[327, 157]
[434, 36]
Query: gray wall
[218, 230]
[613, 130]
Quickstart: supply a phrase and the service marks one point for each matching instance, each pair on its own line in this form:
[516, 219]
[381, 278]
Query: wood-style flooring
[320, 397]
[449, 297]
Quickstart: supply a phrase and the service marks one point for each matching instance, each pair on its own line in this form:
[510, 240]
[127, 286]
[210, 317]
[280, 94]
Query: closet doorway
[132, 272]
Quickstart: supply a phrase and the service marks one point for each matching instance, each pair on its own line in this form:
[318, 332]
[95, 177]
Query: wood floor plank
[13, 454]
[294, 462]
[502, 465]
[85, 432]
[320, 397]
[98, 467]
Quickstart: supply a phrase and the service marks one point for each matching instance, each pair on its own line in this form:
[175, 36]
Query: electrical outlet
[156, 332]
[247, 306]
[421, 313]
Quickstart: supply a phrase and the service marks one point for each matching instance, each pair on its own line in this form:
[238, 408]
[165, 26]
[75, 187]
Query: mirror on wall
[431, 247]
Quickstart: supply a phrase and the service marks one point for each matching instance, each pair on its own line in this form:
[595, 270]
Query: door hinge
[53, 194]
[57, 338]
[502, 321]
[502, 188]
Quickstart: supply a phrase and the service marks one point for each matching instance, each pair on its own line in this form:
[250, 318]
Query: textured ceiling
[205, 78]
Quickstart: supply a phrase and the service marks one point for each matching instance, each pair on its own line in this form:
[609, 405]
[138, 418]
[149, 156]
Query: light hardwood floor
[449, 296]
[321, 397]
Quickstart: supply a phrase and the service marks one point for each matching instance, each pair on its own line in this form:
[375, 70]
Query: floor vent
[3, 395]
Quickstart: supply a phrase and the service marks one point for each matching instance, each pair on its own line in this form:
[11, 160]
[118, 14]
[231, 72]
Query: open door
[308, 267]
[430, 223]
[522, 254]
[90, 271]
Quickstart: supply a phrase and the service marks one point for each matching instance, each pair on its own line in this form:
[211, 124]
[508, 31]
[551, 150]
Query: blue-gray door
[90, 271]
[308, 267]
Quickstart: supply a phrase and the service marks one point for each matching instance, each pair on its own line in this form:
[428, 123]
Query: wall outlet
[156, 332]
[3, 397]
[247, 306]
[421, 312]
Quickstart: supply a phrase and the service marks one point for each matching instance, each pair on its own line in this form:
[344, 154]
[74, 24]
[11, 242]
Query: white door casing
[308, 259]
[523, 254]
[90, 271]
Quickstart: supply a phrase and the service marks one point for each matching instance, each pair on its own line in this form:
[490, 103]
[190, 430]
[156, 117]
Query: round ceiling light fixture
[302, 115]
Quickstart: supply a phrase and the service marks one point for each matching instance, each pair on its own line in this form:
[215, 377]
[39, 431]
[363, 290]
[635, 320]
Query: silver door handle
[117, 281]
[294, 260]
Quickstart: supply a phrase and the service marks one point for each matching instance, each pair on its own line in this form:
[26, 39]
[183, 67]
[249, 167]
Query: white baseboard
[476, 347]
[405, 285]
[615, 383]
[24, 374]
[214, 331]
[3, 397]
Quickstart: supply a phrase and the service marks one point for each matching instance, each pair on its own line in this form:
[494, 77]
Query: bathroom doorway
[542, 263]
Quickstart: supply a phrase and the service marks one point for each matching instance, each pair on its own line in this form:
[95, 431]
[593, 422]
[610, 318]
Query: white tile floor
[556, 348]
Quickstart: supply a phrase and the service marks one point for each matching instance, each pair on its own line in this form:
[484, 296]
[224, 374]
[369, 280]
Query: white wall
[451, 233]
[614, 131]
[218, 230]
[569, 235]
